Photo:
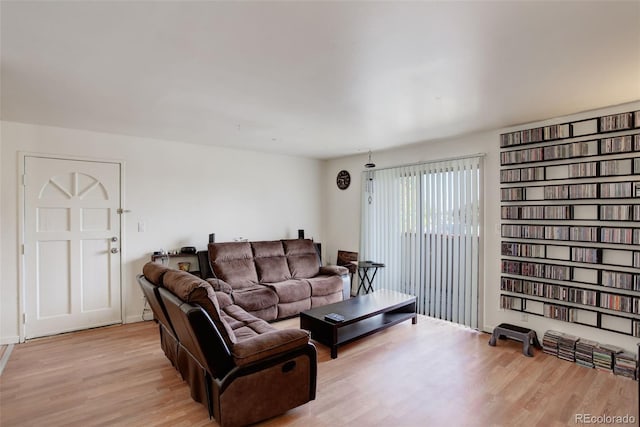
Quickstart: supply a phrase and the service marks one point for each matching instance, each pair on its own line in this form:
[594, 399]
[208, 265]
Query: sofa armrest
[220, 285]
[334, 270]
[268, 344]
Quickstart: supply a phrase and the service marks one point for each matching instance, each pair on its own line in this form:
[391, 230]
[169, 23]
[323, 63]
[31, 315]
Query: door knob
[115, 250]
[114, 239]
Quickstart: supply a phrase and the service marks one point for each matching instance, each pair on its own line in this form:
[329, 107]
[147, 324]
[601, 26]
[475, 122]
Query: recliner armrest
[334, 270]
[268, 344]
[220, 285]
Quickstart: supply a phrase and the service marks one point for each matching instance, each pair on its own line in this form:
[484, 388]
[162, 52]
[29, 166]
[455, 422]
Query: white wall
[342, 215]
[182, 192]
[2, 233]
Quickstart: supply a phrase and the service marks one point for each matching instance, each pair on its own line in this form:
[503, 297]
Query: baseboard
[9, 340]
[133, 319]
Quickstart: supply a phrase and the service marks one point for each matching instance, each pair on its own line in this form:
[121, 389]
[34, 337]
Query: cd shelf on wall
[571, 223]
[615, 122]
[591, 190]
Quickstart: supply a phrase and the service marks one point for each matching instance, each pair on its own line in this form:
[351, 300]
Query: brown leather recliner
[242, 368]
[168, 340]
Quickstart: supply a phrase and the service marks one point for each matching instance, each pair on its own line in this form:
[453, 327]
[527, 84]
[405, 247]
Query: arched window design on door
[73, 189]
[74, 185]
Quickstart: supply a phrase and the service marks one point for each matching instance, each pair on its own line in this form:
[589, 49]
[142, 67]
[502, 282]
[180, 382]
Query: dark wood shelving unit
[168, 258]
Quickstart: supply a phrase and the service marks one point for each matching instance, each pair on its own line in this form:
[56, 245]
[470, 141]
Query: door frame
[22, 155]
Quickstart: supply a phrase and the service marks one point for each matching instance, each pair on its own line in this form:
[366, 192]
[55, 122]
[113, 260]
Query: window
[424, 223]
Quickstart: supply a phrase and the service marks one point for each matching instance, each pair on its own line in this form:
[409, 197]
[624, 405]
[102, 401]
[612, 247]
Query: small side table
[366, 281]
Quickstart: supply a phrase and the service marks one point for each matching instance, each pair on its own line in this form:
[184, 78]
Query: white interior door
[72, 242]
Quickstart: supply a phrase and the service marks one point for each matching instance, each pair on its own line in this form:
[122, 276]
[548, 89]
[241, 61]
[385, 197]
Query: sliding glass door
[423, 222]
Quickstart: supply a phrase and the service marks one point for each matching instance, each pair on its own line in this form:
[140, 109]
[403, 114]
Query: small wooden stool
[527, 336]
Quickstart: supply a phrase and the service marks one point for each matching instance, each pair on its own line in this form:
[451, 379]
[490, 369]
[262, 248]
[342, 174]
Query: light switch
[142, 226]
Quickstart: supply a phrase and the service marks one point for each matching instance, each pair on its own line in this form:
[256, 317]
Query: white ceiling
[318, 79]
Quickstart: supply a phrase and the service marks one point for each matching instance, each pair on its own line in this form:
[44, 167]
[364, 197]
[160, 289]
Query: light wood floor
[429, 374]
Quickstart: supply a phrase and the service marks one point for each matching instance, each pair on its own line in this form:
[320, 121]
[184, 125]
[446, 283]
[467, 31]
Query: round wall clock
[343, 180]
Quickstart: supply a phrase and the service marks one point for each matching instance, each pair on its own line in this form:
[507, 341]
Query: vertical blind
[423, 222]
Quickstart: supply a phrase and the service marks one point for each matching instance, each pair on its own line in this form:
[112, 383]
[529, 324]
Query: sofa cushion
[302, 258]
[268, 314]
[319, 301]
[291, 290]
[252, 329]
[236, 317]
[288, 309]
[233, 263]
[268, 344]
[270, 261]
[238, 314]
[325, 285]
[232, 321]
[273, 269]
[224, 299]
[154, 272]
[255, 297]
[266, 249]
[194, 290]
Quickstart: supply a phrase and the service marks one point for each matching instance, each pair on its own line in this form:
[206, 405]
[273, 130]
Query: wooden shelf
[172, 260]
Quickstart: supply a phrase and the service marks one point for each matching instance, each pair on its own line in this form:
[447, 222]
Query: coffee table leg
[334, 351]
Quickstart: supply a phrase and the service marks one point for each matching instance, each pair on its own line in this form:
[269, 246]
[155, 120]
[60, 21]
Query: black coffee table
[363, 315]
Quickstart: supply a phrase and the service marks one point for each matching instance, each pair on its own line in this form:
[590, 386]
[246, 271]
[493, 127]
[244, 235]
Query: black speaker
[212, 238]
[300, 234]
